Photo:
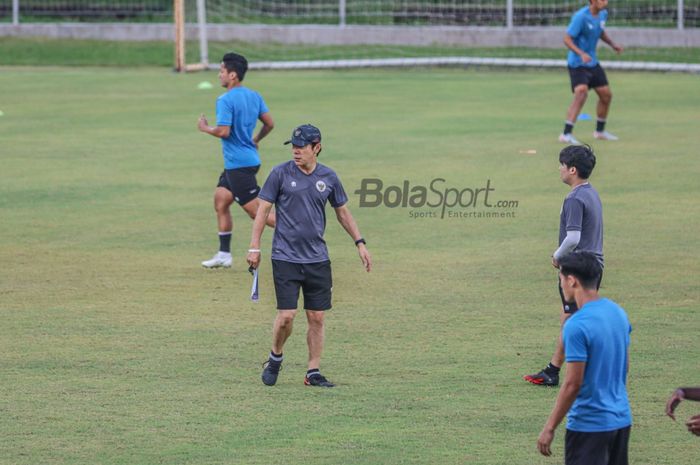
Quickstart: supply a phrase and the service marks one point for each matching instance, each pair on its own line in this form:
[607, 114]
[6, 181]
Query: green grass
[67, 52]
[117, 348]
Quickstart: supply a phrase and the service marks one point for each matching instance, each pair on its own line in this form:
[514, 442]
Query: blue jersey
[300, 205]
[585, 29]
[240, 108]
[599, 335]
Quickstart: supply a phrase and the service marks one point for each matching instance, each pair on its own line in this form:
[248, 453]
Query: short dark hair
[584, 266]
[580, 157]
[237, 63]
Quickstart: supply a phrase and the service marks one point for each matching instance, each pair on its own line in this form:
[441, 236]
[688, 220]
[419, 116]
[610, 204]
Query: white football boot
[568, 139]
[605, 135]
[221, 259]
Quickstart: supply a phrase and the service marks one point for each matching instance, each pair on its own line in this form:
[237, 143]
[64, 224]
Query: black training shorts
[592, 77]
[571, 307]
[241, 183]
[606, 448]
[314, 279]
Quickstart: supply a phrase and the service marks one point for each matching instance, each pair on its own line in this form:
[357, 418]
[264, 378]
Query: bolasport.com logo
[437, 199]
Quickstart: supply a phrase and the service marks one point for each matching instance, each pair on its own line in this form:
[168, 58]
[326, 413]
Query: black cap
[304, 135]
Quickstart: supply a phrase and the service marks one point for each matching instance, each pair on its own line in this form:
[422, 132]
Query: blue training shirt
[599, 335]
[585, 29]
[300, 205]
[240, 108]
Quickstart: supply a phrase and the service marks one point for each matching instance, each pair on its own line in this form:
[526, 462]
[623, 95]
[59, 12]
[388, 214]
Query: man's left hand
[365, 257]
[694, 425]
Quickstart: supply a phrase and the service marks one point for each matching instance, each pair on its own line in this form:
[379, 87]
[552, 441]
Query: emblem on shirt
[294, 184]
[320, 186]
[590, 26]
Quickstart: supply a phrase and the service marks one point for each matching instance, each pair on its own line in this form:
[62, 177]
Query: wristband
[360, 241]
[253, 250]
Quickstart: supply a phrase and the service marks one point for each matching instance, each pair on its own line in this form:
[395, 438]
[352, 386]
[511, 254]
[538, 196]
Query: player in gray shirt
[299, 189]
[580, 229]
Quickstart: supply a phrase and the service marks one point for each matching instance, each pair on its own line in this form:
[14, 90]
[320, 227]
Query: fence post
[179, 14]
[680, 15]
[202, 22]
[341, 13]
[509, 14]
[15, 12]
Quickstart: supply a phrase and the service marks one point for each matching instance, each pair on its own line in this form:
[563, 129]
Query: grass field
[118, 348]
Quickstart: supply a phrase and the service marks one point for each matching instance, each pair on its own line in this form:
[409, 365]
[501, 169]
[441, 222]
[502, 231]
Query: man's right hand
[673, 402]
[202, 123]
[586, 58]
[253, 259]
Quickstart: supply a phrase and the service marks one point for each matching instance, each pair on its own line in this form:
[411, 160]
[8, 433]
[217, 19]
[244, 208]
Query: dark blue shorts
[241, 183]
[314, 279]
[593, 77]
[606, 448]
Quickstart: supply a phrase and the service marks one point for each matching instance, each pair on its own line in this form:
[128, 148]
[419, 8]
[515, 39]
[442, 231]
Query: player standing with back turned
[581, 38]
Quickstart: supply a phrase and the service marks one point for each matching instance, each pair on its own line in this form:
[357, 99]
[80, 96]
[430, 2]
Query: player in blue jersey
[581, 38]
[594, 394]
[300, 189]
[237, 113]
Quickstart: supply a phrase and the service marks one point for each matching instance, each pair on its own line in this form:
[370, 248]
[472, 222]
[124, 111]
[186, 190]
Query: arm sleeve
[568, 244]
[263, 106]
[224, 115]
[271, 189]
[338, 197]
[575, 346]
[575, 26]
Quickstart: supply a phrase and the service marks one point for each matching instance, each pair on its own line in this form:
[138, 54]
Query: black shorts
[314, 279]
[606, 448]
[592, 77]
[571, 307]
[241, 183]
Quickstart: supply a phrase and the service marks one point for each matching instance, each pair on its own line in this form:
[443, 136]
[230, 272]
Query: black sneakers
[543, 378]
[271, 369]
[317, 379]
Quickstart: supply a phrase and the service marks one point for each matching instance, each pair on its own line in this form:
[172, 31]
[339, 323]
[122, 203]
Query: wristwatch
[360, 241]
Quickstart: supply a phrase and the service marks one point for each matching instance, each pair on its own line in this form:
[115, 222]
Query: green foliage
[118, 348]
[50, 52]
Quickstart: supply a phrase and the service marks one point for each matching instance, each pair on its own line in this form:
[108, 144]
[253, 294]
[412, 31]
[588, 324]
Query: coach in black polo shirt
[299, 189]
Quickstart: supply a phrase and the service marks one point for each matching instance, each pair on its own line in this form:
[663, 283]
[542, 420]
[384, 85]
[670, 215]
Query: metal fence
[678, 14]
